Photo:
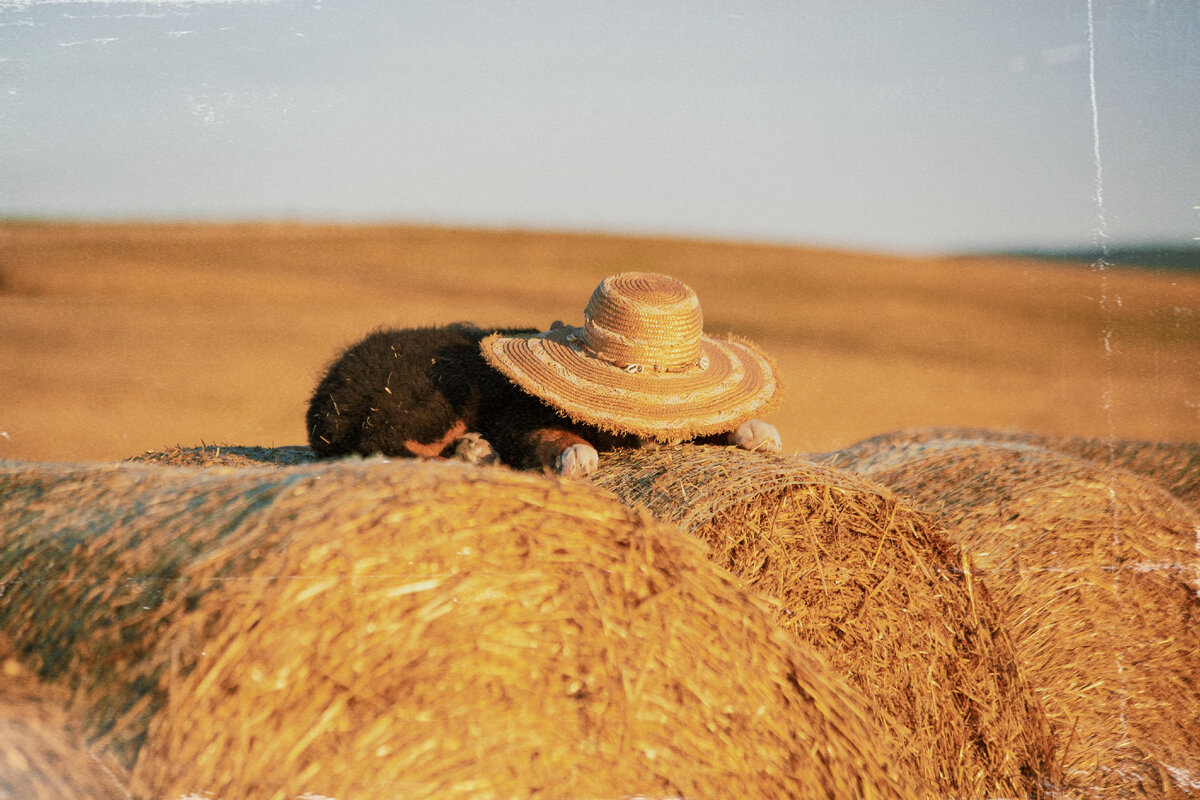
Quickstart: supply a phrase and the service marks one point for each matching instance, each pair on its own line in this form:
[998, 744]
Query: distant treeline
[1172, 256]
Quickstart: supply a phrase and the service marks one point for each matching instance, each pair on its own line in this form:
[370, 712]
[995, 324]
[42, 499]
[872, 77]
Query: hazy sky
[881, 124]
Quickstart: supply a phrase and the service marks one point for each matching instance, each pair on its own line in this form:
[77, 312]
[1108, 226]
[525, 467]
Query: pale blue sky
[881, 124]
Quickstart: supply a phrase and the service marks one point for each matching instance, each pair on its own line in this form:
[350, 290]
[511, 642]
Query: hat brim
[738, 382]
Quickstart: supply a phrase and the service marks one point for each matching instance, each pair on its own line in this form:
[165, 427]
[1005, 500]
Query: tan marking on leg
[434, 449]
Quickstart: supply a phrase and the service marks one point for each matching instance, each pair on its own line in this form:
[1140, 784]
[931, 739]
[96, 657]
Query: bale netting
[1173, 465]
[414, 629]
[1096, 571]
[42, 752]
[875, 587]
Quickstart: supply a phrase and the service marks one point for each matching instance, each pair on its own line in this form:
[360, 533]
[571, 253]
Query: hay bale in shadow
[1096, 571]
[42, 751]
[222, 455]
[875, 587]
[1173, 465]
[412, 629]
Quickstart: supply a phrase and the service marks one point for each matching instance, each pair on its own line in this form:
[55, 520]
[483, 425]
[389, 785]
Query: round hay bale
[877, 589]
[888, 450]
[1173, 465]
[412, 629]
[42, 752]
[1095, 569]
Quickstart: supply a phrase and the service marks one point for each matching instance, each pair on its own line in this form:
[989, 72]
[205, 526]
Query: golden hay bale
[412, 629]
[1174, 465]
[1096, 571]
[42, 752]
[875, 587]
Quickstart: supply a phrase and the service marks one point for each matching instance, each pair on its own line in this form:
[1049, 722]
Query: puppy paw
[757, 435]
[577, 461]
[474, 449]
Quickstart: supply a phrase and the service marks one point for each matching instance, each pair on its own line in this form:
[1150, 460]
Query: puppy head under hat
[641, 364]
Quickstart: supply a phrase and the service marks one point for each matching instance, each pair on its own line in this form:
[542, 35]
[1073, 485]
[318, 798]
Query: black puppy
[427, 392]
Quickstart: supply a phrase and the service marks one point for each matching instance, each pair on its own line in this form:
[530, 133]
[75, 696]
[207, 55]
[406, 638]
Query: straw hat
[641, 364]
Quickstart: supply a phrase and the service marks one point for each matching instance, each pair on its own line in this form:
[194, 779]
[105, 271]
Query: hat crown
[652, 321]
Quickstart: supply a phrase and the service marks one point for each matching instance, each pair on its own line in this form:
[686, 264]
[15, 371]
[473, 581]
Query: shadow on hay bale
[875, 587]
[1173, 465]
[222, 455]
[42, 751]
[1096, 571]
[420, 630]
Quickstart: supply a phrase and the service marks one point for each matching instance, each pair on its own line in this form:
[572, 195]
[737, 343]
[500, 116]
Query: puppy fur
[428, 392]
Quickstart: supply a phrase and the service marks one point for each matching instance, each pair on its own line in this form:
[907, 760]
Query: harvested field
[43, 755]
[1096, 570]
[356, 629]
[120, 338]
[874, 586]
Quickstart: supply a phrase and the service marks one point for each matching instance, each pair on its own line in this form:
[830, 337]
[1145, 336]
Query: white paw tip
[758, 436]
[577, 461]
[474, 449]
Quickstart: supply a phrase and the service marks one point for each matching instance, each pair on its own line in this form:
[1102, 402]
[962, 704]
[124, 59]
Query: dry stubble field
[121, 338]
